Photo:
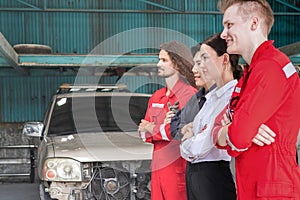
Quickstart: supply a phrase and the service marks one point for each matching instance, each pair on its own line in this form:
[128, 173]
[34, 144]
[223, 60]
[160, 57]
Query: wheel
[32, 49]
[44, 195]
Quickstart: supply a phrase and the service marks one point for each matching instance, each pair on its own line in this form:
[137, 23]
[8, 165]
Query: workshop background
[72, 29]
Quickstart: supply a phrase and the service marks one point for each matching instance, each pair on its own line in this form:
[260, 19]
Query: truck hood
[93, 147]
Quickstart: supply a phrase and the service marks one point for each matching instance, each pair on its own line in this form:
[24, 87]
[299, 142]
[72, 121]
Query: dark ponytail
[220, 46]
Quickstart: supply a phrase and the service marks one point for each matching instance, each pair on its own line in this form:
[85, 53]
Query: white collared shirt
[200, 147]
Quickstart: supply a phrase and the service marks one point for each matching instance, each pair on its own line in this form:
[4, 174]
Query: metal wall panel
[286, 27]
[26, 98]
[76, 26]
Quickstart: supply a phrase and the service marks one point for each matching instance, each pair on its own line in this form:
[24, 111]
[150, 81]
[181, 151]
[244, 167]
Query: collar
[225, 88]
[177, 87]
[211, 88]
[260, 51]
[203, 92]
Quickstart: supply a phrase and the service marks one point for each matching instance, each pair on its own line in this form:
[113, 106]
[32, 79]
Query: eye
[204, 58]
[229, 25]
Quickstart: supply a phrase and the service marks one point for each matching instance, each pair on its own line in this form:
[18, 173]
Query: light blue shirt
[200, 147]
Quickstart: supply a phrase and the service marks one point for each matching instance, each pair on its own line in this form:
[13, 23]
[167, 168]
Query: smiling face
[210, 63]
[197, 71]
[166, 67]
[236, 30]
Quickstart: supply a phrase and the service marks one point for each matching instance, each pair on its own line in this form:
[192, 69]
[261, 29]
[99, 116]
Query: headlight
[60, 169]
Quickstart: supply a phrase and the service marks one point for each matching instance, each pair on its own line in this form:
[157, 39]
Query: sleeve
[157, 115]
[175, 121]
[146, 136]
[266, 90]
[217, 127]
[198, 146]
[161, 131]
[184, 116]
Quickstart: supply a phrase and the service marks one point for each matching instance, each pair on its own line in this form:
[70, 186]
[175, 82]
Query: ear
[176, 67]
[254, 23]
[226, 59]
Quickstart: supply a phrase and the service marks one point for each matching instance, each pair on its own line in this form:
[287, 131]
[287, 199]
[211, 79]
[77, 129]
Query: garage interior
[96, 42]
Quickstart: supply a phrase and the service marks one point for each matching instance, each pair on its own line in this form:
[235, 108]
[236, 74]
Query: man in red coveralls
[268, 94]
[168, 168]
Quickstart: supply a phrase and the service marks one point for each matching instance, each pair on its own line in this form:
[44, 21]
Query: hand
[169, 116]
[187, 136]
[265, 136]
[187, 131]
[146, 126]
[173, 108]
[226, 120]
[220, 136]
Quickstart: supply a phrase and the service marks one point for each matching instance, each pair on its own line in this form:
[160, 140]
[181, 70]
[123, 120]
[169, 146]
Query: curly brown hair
[182, 57]
[184, 67]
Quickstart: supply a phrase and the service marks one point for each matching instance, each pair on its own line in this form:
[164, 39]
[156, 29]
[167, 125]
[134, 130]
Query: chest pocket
[157, 113]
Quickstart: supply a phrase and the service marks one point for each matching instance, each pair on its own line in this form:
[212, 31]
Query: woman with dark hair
[209, 175]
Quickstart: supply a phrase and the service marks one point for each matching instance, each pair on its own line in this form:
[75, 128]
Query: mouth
[229, 42]
[196, 76]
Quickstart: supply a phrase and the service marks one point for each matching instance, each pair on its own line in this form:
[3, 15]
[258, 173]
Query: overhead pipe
[288, 5]
[131, 11]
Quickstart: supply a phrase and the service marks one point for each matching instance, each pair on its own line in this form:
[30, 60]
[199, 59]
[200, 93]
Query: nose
[224, 34]
[194, 69]
[159, 63]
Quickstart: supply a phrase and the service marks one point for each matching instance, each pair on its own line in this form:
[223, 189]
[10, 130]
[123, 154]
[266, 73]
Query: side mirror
[33, 129]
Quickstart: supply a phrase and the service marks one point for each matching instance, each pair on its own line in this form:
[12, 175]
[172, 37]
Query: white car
[90, 147]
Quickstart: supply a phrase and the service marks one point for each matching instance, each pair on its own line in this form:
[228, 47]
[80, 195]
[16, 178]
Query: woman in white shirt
[209, 172]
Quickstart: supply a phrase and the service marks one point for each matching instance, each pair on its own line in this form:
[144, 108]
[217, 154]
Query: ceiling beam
[288, 5]
[187, 12]
[33, 61]
[158, 5]
[75, 61]
[10, 55]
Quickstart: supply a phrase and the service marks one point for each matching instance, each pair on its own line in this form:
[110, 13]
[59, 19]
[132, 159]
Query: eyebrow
[203, 54]
[225, 22]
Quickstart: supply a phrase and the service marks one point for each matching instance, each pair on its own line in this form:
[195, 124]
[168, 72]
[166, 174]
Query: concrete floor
[19, 191]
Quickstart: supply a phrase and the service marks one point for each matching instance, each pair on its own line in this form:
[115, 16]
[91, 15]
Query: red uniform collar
[260, 51]
[177, 87]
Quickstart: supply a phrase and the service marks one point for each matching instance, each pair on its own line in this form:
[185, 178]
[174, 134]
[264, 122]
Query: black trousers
[210, 181]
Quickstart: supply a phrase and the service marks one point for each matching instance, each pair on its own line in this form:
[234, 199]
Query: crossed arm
[264, 136]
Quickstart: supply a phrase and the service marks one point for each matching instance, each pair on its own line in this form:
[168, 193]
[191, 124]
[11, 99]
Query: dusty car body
[90, 147]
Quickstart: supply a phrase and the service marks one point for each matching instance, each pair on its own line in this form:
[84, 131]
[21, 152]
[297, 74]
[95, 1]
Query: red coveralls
[270, 96]
[168, 167]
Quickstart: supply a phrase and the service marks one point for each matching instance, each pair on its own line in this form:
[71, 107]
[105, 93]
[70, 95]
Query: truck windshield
[97, 114]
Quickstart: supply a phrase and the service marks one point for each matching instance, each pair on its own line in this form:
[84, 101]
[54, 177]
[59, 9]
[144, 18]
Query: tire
[44, 195]
[32, 49]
